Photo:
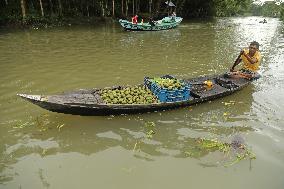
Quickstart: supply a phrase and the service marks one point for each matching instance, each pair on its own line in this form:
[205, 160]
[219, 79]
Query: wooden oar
[236, 62]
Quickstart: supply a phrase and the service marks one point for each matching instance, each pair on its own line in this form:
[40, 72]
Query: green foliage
[104, 8]
[231, 7]
[195, 8]
[282, 11]
[269, 9]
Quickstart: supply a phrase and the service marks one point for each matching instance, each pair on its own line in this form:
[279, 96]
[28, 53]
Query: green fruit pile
[128, 95]
[169, 84]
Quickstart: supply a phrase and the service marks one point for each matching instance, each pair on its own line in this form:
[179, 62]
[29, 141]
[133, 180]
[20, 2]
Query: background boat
[165, 24]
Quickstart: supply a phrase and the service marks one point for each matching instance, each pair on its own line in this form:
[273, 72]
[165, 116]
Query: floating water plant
[236, 150]
[150, 129]
[208, 144]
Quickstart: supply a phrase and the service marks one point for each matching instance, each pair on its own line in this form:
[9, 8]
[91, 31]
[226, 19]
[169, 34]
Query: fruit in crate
[128, 95]
[170, 84]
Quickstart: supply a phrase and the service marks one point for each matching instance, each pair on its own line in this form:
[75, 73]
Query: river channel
[42, 149]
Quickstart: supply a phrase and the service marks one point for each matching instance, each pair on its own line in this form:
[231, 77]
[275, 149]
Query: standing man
[174, 16]
[135, 19]
[251, 60]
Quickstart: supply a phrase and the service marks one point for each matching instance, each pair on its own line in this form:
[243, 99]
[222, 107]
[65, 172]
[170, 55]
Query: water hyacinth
[236, 150]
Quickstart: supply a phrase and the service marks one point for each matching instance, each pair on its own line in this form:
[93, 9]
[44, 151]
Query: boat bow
[30, 97]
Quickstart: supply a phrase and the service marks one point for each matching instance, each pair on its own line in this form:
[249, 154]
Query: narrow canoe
[89, 102]
[164, 24]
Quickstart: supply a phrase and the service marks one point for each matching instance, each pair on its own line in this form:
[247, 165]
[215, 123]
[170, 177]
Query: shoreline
[49, 22]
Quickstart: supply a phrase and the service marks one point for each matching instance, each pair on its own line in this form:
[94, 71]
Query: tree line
[39, 9]
[269, 9]
[117, 8]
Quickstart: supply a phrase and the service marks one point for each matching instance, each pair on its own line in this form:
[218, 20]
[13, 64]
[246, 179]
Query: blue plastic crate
[165, 95]
[147, 82]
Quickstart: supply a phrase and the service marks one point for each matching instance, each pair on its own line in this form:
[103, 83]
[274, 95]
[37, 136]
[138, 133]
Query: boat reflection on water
[135, 38]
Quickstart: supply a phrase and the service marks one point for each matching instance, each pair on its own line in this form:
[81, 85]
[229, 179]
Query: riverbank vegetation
[61, 12]
[268, 9]
[30, 12]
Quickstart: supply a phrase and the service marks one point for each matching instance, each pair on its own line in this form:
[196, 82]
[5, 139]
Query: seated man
[151, 21]
[251, 59]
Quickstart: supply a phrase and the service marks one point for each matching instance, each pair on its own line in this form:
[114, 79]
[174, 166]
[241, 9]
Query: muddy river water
[42, 149]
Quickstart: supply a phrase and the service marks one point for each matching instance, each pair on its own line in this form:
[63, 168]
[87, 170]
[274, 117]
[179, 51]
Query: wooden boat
[89, 102]
[164, 24]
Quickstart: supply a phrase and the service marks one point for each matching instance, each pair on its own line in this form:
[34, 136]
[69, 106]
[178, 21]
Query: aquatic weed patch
[41, 123]
[149, 129]
[235, 152]
[227, 153]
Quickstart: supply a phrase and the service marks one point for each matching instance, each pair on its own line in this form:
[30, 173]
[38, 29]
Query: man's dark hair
[255, 43]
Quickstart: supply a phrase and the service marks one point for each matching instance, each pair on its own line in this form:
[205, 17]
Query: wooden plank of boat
[89, 102]
[164, 24]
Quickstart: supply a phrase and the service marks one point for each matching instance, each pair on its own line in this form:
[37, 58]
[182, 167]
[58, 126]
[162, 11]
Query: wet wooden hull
[89, 102]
